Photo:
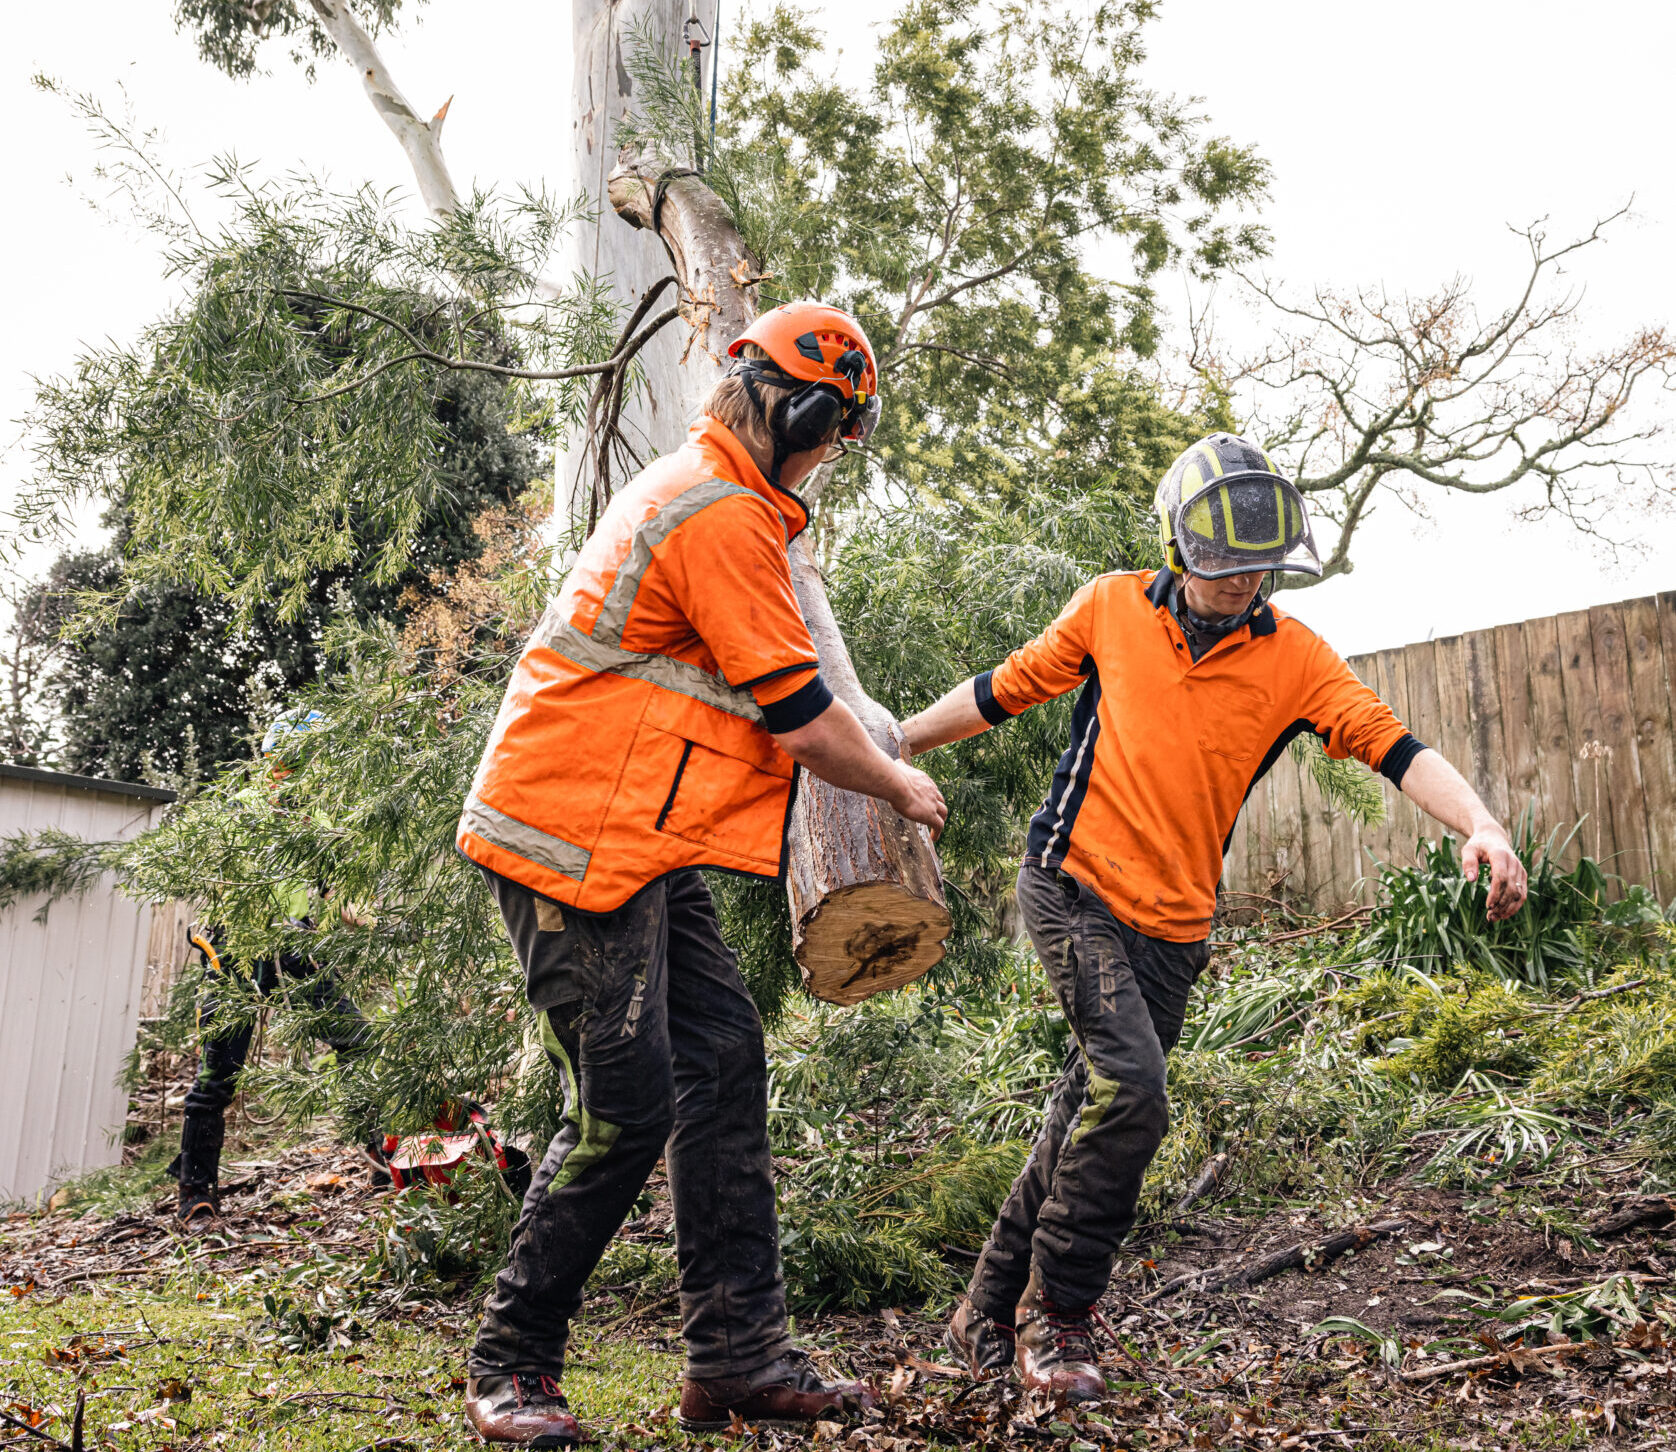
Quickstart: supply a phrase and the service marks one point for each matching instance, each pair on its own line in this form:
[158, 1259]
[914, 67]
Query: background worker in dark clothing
[1191, 686]
[221, 1058]
[222, 1055]
[655, 724]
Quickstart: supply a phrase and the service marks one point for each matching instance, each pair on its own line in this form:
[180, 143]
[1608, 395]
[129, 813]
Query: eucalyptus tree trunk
[867, 905]
[654, 417]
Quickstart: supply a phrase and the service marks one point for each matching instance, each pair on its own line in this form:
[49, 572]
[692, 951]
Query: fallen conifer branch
[1294, 1257]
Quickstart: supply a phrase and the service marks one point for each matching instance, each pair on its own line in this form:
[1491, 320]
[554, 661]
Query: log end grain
[866, 939]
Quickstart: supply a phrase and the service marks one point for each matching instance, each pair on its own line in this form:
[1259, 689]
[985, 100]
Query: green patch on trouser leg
[594, 1135]
[1101, 1093]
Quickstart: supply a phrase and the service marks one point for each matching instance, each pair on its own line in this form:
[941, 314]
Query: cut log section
[867, 905]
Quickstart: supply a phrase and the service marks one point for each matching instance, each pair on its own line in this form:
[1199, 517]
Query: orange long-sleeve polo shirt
[1165, 749]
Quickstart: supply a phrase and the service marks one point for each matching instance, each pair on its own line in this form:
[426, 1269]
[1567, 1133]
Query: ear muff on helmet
[810, 416]
[807, 419]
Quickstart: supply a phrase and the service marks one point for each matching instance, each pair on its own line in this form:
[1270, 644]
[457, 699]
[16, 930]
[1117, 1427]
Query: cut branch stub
[704, 246]
[867, 905]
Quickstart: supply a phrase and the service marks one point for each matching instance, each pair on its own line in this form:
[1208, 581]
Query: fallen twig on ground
[1237, 1273]
[1206, 1182]
[1337, 922]
[24, 1426]
[1513, 1356]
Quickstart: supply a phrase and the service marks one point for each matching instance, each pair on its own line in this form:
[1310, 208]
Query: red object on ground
[460, 1129]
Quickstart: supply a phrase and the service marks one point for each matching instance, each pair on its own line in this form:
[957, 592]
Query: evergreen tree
[169, 685]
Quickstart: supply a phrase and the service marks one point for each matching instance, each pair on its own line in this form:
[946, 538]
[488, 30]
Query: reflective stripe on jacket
[631, 741]
[1165, 749]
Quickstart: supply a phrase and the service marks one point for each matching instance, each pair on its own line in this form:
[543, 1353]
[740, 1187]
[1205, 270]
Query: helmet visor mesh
[1238, 525]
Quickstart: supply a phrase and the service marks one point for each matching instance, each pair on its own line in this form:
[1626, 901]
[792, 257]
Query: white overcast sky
[1404, 141]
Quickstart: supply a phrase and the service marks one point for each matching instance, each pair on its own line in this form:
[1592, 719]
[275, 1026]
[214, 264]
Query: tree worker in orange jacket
[1192, 684]
[655, 724]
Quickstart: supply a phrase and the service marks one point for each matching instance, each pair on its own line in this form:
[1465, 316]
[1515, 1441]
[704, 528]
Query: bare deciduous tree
[1369, 394]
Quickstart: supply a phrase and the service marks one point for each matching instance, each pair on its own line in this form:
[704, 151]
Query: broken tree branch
[1514, 1356]
[1213, 1171]
[421, 140]
[1301, 1256]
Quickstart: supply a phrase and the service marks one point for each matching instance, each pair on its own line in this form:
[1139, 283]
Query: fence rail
[1573, 715]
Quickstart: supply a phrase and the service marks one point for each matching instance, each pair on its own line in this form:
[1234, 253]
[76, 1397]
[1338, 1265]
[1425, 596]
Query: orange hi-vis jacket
[1165, 749]
[634, 738]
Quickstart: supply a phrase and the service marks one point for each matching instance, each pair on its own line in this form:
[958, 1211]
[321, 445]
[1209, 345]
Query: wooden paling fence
[1575, 713]
[167, 951]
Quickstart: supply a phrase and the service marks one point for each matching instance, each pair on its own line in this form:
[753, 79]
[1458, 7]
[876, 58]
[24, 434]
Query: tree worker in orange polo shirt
[655, 725]
[1192, 684]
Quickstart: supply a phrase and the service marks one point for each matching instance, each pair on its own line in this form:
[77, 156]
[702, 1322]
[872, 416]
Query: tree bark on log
[867, 905]
[866, 892]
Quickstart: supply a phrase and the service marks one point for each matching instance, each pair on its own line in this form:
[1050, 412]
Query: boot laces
[800, 1371]
[534, 1387]
[994, 1344]
[1073, 1336]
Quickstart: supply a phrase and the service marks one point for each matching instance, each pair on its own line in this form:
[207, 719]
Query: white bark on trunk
[654, 420]
[421, 140]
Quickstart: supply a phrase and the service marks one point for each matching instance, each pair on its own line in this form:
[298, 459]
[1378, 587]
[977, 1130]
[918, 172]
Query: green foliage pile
[1327, 1066]
[906, 1119]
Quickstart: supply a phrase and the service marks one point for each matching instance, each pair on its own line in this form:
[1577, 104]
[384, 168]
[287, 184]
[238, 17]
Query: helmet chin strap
[747, 376]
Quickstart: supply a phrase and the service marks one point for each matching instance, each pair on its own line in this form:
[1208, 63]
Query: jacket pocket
[1233, 719]
[721, 802]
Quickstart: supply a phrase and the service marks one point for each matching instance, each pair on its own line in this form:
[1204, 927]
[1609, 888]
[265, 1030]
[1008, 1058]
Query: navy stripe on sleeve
[799, 708]
[1397, 759]
[988, 707]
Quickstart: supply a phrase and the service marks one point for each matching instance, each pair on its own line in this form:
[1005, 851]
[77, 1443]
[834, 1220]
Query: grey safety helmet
[1225, 509]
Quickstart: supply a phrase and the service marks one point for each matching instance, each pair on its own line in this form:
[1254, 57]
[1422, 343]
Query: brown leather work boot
[787, 1393]
[1056, 1349]
[980, 1343]
[523, 1409]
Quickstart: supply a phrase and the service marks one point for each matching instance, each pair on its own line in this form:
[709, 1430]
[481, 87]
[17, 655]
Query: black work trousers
[1125, 996]
[222, 1056]
[660, 1047]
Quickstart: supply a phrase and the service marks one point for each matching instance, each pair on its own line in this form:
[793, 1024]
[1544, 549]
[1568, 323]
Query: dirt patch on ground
[1363, 1348]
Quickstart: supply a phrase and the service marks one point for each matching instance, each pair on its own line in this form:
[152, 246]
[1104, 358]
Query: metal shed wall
[69, 988]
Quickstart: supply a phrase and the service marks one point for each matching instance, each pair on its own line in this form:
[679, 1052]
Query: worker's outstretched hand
[1490, 848]
[919, 799]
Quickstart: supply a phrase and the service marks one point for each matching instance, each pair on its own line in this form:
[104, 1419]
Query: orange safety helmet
[824, 348]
